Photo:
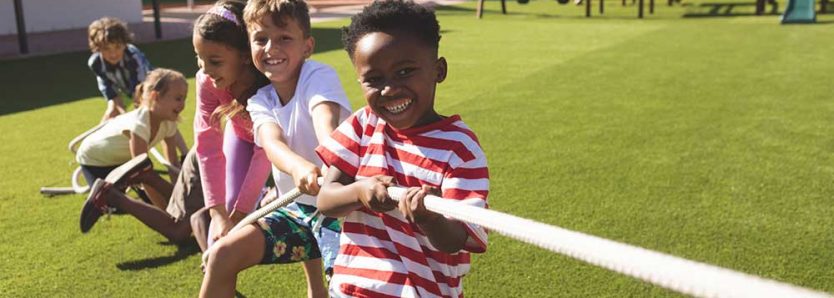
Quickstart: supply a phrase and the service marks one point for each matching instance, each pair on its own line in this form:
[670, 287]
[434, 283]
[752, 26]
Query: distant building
[54, 15]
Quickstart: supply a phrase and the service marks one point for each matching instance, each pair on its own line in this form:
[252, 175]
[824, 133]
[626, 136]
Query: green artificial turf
[702, 133]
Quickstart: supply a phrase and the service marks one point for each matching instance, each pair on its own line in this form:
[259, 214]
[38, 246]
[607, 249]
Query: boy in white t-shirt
[301, 107]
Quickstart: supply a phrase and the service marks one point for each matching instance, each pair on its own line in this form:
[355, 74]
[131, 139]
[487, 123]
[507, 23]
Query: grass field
[703, 135]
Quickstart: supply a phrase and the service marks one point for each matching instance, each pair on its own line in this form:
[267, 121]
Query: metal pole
[22, 38]
[587, 8]
[157, 26]
[640, 9]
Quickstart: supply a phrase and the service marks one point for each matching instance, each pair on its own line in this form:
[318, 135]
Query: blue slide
[799, 11]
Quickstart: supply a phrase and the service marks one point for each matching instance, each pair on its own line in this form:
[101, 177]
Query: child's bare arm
[221, 223]
[171, 155]
[138, 145]
[445, 234]
[303, 172]
[115, 107]
[341, 194]
[325, 119]
[181, 144]
[157, 189]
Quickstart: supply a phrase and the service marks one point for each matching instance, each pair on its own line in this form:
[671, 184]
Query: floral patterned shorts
[289, 235]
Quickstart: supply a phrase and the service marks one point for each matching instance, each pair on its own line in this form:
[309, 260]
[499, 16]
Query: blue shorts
[93, 172]
[298, 233]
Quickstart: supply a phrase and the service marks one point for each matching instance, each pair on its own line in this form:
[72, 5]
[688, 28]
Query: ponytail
[137, 94]
[157, 80]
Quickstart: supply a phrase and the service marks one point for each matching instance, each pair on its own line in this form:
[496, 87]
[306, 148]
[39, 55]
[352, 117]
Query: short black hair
[393, 16]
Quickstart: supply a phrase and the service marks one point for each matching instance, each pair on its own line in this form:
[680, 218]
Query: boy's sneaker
[95, 205]
[128, 172]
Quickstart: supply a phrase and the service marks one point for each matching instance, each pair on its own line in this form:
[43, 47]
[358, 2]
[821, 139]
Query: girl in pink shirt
[234, 169]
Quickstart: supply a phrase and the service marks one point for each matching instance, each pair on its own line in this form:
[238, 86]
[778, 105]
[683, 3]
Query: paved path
[176, 24]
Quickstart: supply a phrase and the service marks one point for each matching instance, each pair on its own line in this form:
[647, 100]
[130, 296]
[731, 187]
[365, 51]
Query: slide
[799, 11]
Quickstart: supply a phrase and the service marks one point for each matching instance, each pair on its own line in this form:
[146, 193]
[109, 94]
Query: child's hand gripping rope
[664, 270]
[376, 195]
[281, 201]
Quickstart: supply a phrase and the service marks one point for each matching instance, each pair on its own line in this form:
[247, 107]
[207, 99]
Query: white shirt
[317, 83]
[110, 145]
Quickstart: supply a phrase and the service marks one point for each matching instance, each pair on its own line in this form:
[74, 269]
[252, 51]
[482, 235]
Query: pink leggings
[239, 154]
[247, 169]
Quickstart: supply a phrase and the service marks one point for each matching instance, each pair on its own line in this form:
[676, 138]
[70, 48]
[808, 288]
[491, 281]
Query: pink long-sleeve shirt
[208, 141]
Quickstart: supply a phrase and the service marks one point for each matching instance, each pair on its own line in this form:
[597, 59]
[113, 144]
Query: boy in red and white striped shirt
[391, 249]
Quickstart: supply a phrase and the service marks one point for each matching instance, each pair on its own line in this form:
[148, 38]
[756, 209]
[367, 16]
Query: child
[118, 65]
[399, 139]
[302, 106]
[173, 223]
[234, 169]
[134, 133]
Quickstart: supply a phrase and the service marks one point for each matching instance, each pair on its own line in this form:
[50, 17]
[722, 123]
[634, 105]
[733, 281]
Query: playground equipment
[640, 6]
[800, 11]
[77, 182]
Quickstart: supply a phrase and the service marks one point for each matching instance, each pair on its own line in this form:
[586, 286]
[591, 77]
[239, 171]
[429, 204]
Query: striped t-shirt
[382, 254]
[121, 77]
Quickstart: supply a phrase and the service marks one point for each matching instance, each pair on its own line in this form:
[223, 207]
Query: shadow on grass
[37, 82]
[456, 9]
[183, 251]
[492, 9]
[728, 9]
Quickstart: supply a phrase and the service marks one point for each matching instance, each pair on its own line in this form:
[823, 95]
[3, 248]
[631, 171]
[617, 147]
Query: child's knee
[180, 232]
[223, 258]
[200, 220]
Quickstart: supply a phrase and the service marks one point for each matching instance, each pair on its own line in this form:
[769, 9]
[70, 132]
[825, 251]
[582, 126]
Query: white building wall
[52, 15]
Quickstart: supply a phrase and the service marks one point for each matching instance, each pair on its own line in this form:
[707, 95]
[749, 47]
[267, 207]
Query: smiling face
[279, 51]
[168, 105]
[113, 52]
[220, 62]
[399, 74]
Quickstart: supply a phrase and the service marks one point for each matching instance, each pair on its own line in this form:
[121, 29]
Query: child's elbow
[325, 207]
[328, 207]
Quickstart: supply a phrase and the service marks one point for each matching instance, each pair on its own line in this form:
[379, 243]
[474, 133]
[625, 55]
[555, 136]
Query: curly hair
[107, 30]
[393, 16]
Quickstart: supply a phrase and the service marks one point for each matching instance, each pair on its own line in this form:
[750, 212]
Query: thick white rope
[161, 158]
[281, 201]
[674, 273]
[77, 186]
[76, 179]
